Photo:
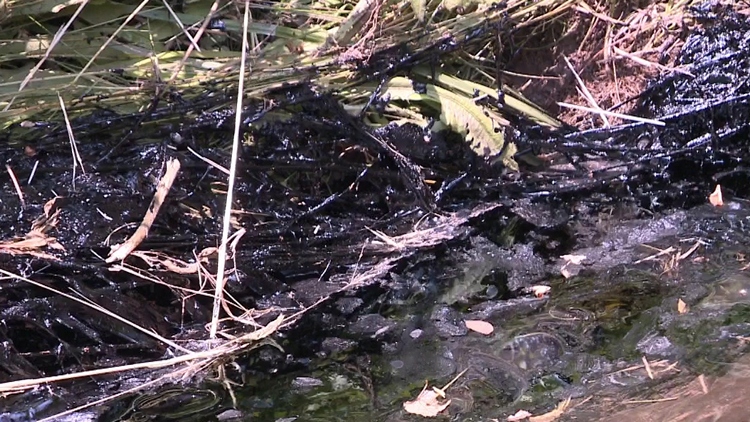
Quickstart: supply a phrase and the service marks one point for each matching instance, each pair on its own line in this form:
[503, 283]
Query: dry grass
[614, 48]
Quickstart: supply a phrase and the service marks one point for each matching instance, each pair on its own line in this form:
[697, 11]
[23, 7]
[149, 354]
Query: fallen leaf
[519, 416]
[540, 291]
[426, 404]
[716, 198]
[574, 259]
[481, 327]
[682, 307]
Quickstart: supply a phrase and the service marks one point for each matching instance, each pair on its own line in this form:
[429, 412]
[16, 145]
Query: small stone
[229, 415]
[306, 382]
[448, 322]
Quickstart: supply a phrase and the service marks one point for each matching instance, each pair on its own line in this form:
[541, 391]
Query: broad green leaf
[514, 100]
[459, 113]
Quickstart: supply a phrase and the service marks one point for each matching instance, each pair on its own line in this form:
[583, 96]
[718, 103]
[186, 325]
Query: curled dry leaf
[49, 206]
[716, 198]
[682, 307]
[481, 327]
[426, 404]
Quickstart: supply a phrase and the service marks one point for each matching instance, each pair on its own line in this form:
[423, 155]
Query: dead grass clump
[615, 48]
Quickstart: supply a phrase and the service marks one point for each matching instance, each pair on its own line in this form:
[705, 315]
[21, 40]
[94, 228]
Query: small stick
[586, 93]
[19, 192]
[613, 114]
[702, 380]
[73, 147]
[121, 251]
[222, 259]
[647, 367]
[33, 172]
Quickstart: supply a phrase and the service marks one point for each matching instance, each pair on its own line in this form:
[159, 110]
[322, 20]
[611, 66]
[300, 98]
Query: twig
[19, 192]
[647, 366]
[650, 401]
[587, 94]
[121, 251]
[208, 161]
[214, 7]
[181, 25]
[229, 347]
[614, 114]
[73, 146]
[33, 172]
[647, 63]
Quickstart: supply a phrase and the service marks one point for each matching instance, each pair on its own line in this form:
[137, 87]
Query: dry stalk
[121, 251]
[227, 220]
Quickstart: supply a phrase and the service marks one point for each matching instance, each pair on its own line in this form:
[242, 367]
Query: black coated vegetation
[313, 187]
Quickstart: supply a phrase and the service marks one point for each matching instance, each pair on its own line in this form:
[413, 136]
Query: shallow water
[587, 340]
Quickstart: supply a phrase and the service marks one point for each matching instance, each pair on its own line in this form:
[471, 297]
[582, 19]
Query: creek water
[685, 311]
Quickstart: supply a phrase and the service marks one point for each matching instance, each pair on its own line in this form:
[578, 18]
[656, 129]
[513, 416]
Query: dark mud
[468, 244]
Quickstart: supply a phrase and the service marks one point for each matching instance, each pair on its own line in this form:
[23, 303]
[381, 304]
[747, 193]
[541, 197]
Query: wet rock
[486, 265]
[336, 345]
[617, 244]
[397, 364]
[735, 331]
[422, 360]
[448, 322]
[523, 266]
[348, 305]
[230, 415]
[540, 214]
[484, 369]
[371, 325]
[656, 345]
[536, 351]
[270, 356]
[503, 310]
[310, 290]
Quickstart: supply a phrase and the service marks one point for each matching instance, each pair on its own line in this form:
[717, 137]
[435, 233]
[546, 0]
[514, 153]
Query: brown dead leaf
[37, 237]
[481, 327]
[426, 404]
[716, 198]
[49, 205]
[682, 307]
